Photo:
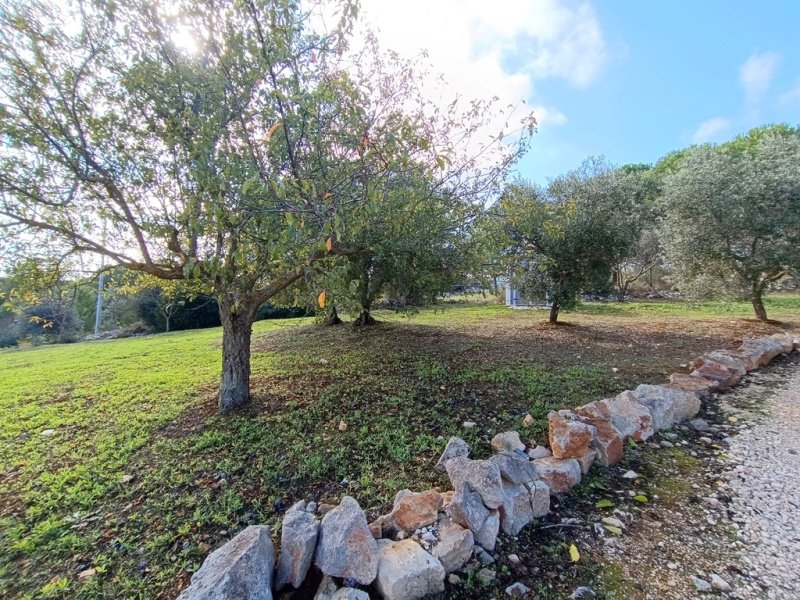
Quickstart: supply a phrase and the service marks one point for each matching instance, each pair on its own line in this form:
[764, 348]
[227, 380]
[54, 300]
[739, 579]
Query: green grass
[146, 407]
[779, 307]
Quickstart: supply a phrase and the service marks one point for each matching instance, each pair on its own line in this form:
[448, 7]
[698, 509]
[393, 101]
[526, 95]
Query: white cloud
[548, 116]
[708, 130]
[756, 74]
[497, 49]
[540, 38]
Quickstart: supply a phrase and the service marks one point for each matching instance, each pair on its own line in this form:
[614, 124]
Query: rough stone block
[766, 349]
[667, 406]
[507, 442]
[540, 498]
[517, 511]
[569, 437]
[242, 568]
[560, 475]
[413, 511]
[608, 442]
[700, 386]
[725, 376]
[631, 418]
[786, 341]
[481, 475]
[467, 509]
[298, 542]
[587, 460]
[407, 572]
[456, 447]
[514, 468]
[486, 536]
[454, 548]
[346, 547]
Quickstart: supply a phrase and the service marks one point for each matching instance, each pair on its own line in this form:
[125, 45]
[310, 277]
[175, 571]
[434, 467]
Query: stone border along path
[428, 536]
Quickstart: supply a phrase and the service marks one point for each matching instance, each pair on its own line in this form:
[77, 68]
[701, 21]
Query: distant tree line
[719, 220]
[64, 311]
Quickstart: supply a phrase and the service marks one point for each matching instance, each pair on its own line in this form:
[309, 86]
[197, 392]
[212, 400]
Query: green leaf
[604, 503]
[613, 529]
[249, 185]
[641, 498]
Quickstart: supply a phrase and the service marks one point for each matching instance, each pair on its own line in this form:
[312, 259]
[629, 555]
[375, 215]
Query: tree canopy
[236, 162]
[566, 238]
[732, 216]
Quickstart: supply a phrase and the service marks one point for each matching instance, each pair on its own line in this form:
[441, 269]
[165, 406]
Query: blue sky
[629, 80]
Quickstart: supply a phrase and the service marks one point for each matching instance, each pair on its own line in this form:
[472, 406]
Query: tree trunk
[365, 296]
[622, 291]
[166, 324]
[237, 327]
[758, 306]
[333, 317]
[554, 313]
[364, 318]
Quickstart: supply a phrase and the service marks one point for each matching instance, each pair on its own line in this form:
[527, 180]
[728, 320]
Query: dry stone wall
[427, 536]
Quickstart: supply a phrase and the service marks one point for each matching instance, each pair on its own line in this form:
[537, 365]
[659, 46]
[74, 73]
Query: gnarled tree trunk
[333, 317]
[237, 328]
[758, 306]
[554, 312]
[368, 287]
[364, 318]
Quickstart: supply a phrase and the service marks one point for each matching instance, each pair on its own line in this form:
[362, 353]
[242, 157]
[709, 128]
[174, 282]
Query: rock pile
[407, 553]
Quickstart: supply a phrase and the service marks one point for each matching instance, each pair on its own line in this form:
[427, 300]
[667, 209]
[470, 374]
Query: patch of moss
[613, 584]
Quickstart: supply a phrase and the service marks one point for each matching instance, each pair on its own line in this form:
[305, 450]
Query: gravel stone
[701, 585]
[517, 590]
[765, 485]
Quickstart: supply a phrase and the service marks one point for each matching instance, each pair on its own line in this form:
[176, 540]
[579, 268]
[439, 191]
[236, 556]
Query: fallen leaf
[574, 555]
[641, 498]
[612, 529]
[604, 503]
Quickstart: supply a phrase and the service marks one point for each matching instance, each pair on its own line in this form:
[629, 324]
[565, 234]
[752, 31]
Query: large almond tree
[223, 142]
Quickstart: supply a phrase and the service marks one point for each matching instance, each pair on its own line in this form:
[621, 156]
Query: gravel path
[765, 487]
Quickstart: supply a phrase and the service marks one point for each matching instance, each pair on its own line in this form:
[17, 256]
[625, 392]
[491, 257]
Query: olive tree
[418, 248]
[638, 188]
[235, 162]
[565, 239]
[731, 222]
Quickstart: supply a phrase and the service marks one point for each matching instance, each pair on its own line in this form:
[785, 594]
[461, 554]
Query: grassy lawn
[145, 407]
